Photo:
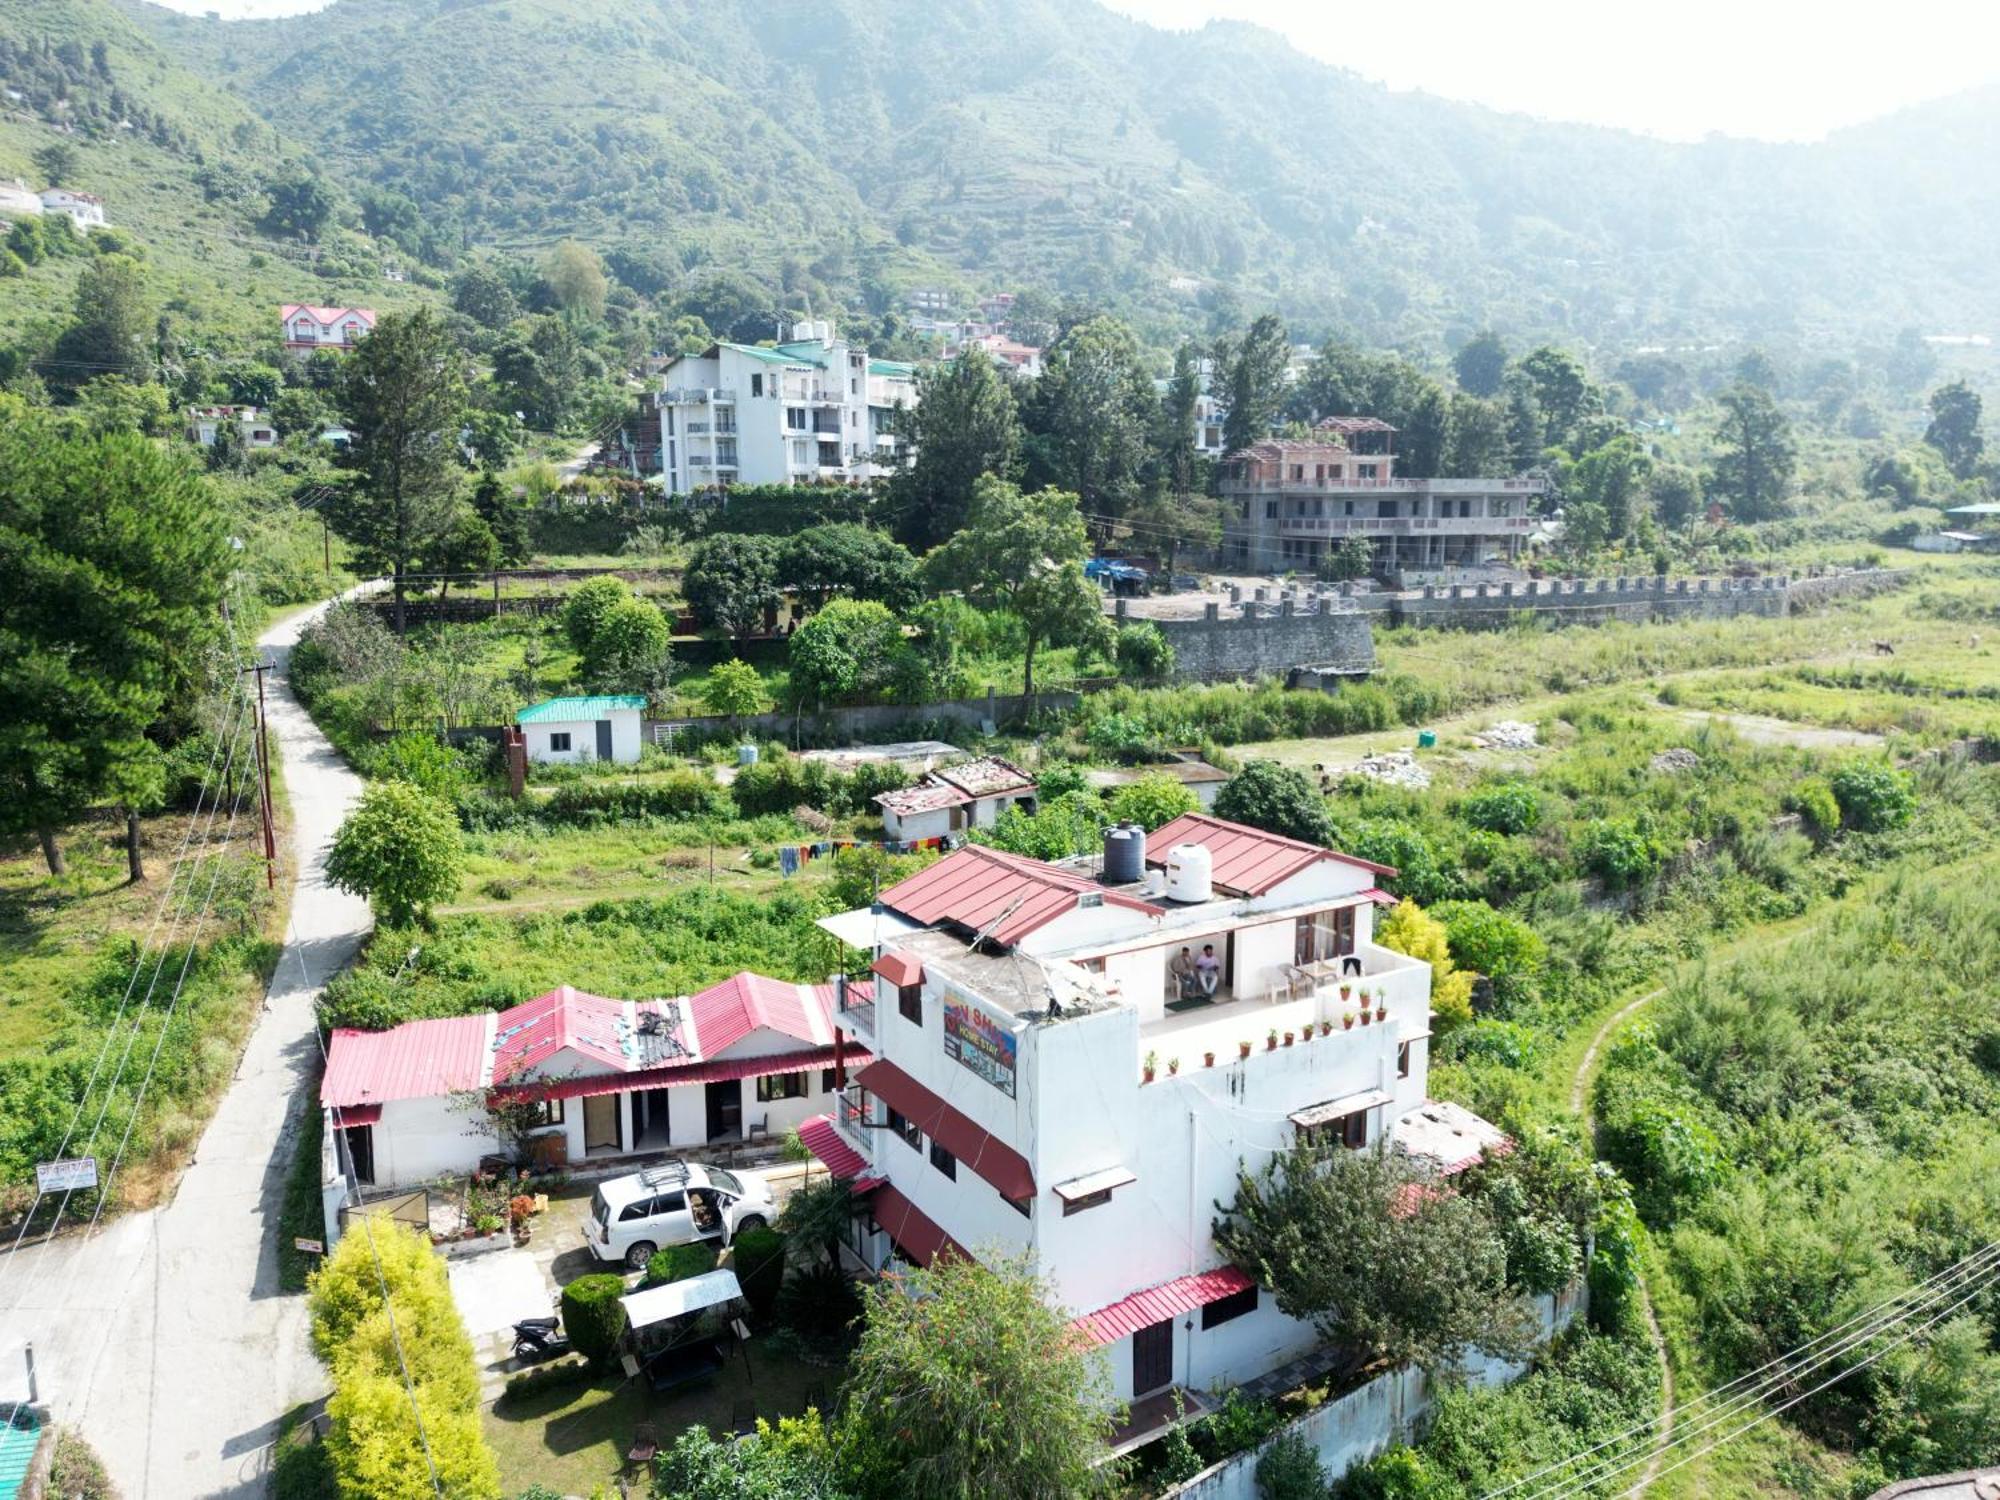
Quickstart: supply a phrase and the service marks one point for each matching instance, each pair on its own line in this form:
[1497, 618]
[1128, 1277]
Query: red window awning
[911, 1228]
[839, 1158]
[356, 1114]
[1170, 1299]
[1379, 896]
[899, 968]
[980, 1150]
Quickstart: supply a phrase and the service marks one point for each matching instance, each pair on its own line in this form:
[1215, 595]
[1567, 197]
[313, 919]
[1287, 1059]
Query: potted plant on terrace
[1271, 1040]
[1242, 1049]
[1347, 1021]
[1173, 1066]
[1289, 1036]
[1346, 991]
[1150, 1065]
[1208, 1059]
[1381, 1010]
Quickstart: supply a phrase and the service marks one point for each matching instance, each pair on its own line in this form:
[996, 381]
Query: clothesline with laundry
[795, 857]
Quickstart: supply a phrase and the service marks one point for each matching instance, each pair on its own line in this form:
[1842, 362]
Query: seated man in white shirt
[1208, 970]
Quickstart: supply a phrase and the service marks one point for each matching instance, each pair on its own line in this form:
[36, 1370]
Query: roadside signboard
[68, 1175]
[311, 1247]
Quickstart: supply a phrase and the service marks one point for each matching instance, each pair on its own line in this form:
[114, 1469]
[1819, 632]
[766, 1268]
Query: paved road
[173, 1349]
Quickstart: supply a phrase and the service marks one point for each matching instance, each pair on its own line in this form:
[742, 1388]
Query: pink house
[308, 328]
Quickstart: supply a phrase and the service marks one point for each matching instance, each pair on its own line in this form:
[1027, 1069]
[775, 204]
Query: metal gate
[412, 1208]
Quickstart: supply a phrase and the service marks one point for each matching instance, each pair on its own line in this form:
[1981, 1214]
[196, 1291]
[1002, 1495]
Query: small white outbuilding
[609, 727]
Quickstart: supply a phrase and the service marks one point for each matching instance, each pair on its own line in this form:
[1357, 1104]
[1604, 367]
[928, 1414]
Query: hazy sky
[1780, 69]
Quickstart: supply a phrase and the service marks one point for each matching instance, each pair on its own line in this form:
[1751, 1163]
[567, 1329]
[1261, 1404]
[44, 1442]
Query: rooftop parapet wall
[1254, 638]
[1594, 600]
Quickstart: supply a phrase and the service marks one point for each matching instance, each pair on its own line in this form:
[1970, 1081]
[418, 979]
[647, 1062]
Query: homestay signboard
[980, 1041]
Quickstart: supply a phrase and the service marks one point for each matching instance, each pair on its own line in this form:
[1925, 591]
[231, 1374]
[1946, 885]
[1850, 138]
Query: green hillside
[843, 150]
[181, 166]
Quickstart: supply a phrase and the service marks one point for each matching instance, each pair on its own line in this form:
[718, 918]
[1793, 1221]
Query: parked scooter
[537, 1339]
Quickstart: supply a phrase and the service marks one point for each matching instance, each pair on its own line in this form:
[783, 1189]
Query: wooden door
[600, 1123]
[1152, 1357]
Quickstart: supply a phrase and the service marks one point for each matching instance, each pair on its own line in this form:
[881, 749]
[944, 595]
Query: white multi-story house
[308, 328]
[253, 427]
[812, 410]
[1044, 1084]
[85, 209]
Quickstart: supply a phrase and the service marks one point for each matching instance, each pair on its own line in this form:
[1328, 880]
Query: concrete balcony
[1301, 998]
[695, 396]
[1315, 526]
[1239, 487]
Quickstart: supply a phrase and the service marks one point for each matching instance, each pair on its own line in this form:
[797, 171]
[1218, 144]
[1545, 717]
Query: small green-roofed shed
[569, 710]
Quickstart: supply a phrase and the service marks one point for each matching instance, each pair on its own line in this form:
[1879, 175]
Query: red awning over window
[820, 1138]
[911, 1228]
[1170, 1299]
[981, 1151]
[357, 1114]
[899, 968]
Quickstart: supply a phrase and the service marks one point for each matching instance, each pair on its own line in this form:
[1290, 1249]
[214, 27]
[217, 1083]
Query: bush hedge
[678, 1262]
[594, 1317]
[759, 1263]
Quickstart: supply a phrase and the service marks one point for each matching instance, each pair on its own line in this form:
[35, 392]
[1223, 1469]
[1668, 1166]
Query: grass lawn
[573, 1438]
[576, 866]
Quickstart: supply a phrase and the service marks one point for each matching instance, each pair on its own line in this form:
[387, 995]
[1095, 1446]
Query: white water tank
[1190, 873]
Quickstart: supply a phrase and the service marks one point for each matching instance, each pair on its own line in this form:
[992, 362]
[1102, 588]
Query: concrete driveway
[164, 1336]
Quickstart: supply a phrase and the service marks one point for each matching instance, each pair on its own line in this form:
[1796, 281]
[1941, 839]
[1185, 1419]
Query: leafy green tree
[400, 848]
[1512, 807]
[1753, 472]
[846, 559]
[1383, 1264]
[58, 162]
[817, 1215]
[300, 409]
[1175, 458]
[1426, 431]
[863, 871]
[1954, 427]
[1254, 382]
[1153, 801]
[734, 690]
[538, 370]
[731, 581]
[1410, 930]
[1610, 478]
[1024, 553]
[1277, 798]
[577, 276]
[963, 425]
[1347, 559]
[584, 611]
[1475, 444]
[1144, 652]
[849, 650]
[111, 328]
[759, 1263]
[1524, 421]
[1290, 1470]
[505, 517]
[1060, 827]
[968, 1385]
[467, 546]
[482, 294]
[1675, 493]
[115, 556]
[402, 395]
[1873, 797]
[1490, 942]
[300, 204]
[1089, 418]
[630, 650]
[1171, 519]
[1481, 364]
[111, 403]
[1563, 393]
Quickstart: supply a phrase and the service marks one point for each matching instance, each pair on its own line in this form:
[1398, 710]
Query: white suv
[631, 1217]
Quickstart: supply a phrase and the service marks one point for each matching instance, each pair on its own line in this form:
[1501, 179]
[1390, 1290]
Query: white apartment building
[813, 410]
[1042, 1083]
[86, 210]
[253, 427]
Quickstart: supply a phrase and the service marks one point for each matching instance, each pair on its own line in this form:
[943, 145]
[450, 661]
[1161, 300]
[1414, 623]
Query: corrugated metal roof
[725, 1013]
[568, 710]
[911, 1228]
[1246, 861]
[978, 887]
[975, 1146]
[988, 776]
[564, 1019]
[890, 367]
[1170, 1299]
[712, 1070]
[416, 1060]
[778, 356]
[925, 797]
[825, 1143]
[1379, 896]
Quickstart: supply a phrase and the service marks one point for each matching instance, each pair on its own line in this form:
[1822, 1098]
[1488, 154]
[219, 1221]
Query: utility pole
[264, 779]
[325, 544]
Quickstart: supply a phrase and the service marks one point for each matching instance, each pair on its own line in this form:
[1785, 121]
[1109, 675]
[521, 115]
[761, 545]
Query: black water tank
[1124, 854]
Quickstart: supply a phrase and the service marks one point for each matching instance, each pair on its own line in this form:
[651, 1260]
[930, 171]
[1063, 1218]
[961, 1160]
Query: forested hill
[839, 148]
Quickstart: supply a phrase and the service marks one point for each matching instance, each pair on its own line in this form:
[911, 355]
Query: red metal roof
[1246, 861]
[824, 1141]
[725, 1013]
[565, 1019]
[977, 887]
[999, 1163]
[900, 968]
[1379, 897]
[357, 1114]
[417, 1060]
[1170, 1299]
[911, 1228]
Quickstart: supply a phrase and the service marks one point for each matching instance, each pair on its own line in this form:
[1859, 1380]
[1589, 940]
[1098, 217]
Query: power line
[1785, 1370]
